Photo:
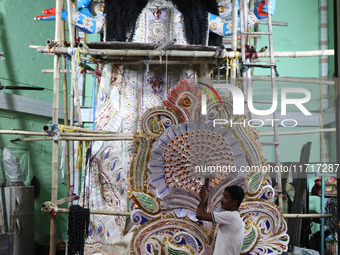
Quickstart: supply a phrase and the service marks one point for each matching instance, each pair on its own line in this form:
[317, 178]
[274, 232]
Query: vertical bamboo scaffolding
[275, 115]
[73, 62]
[63, 63]
[256, 29]
[73, 80]
[234, 41]
[243, 29]
[54, 190]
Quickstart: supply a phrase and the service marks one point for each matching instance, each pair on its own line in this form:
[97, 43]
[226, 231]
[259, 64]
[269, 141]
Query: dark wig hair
[236, 193]
[121, 17]
[77, 229]
[195, 14]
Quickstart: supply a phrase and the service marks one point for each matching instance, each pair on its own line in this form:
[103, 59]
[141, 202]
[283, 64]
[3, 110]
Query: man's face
[227, 203]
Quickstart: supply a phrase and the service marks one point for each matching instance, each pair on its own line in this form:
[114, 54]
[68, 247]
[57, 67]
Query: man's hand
[201, 214]
[204, 194]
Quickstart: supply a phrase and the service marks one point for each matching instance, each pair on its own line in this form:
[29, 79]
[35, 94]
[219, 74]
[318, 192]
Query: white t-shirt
[230, 233]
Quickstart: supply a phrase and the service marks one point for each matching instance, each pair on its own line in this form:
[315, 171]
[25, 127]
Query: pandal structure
[177, 229]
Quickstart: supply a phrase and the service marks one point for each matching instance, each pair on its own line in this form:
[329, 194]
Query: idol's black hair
[121, 17]
[195, 13]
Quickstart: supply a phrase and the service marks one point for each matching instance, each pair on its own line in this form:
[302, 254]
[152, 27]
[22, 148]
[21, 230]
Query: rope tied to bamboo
[233, 60]
[50, 129]
[71, 51]
[49, 207]
[97, 71]
[250, 51]
[63, 128]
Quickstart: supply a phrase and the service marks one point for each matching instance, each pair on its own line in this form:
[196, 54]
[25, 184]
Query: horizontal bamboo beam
[31, 139]
[51, 71]
[70, 138]
[20, 132]
[103, 212]
[182, 53]
[134, 53]
[289, 54]
[314, 80]
[274, 23]
[47, 128]
[66, 134]
[161, 62]
[297, 54]
[98, 135]
[265, 60]
[321, 130]
[66, 200]
[310, 215]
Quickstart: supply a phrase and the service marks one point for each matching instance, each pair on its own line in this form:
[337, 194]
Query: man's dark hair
[236, 193]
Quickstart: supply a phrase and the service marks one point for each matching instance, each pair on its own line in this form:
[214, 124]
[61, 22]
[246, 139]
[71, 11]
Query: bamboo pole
[54, 189]
[70, 138]
[44, 134]
[314, 80]
[67, 134]
[74, 83]
[46, 128]
[265, 60]
[274, 23]
[299, 132]
[109, 138]
[66, 200]
[67, 148]
[184, 53]
[51, 71]
[103, 212]
[296, 54]
[31, 139]
[134, 53]
[234, 40]
[310, 215]
[19, 132]
[70, 9]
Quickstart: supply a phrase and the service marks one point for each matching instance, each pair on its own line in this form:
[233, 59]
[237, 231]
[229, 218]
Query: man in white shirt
[230, 233]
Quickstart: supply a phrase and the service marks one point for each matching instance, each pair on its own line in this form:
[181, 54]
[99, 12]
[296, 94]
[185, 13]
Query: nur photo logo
[239, 102]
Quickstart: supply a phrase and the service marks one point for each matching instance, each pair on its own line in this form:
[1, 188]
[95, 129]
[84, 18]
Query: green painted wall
[18, 30]
[22, 67]
[301, 34]
[38, 158]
